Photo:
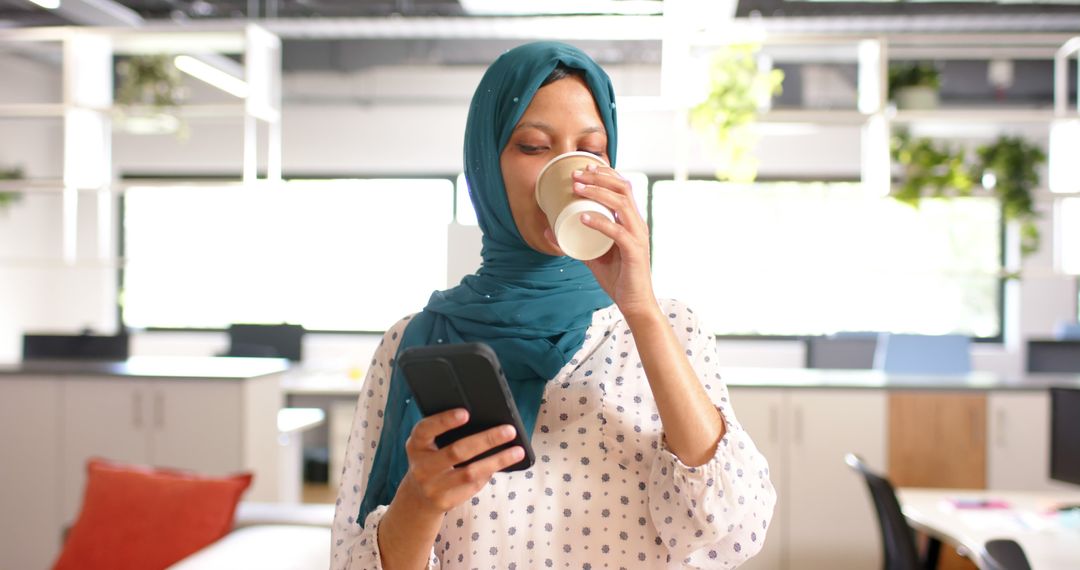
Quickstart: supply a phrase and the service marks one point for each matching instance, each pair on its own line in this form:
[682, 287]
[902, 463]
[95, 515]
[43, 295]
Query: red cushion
[136, 517]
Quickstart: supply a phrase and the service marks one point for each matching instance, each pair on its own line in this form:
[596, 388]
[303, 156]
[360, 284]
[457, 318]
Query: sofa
[270, 536]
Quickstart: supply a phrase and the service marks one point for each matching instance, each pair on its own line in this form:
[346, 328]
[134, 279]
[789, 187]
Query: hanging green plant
[929, 168]
[149, 95]
[150, 80]
[737, 88]
[1006, 168]
[1009, 169]
[9, 198]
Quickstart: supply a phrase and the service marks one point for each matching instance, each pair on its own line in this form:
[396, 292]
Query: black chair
[896, 536]
[266, 341]
[1004, 554]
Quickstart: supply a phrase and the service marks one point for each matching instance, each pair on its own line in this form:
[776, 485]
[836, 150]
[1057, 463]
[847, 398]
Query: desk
[1050, 541]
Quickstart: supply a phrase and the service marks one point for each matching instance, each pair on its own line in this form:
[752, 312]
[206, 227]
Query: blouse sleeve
[354, 547]
[714, 515]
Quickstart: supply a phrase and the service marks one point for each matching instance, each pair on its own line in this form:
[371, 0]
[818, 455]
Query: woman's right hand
[433, 485]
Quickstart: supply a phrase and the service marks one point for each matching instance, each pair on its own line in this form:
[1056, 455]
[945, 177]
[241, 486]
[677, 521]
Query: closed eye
[530, 149]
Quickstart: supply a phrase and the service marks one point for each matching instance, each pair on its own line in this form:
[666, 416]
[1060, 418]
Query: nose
[563, 147]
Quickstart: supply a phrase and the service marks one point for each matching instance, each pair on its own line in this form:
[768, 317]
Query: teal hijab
[530, 307]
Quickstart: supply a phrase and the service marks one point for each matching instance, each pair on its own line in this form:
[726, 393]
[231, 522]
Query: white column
[88, 88]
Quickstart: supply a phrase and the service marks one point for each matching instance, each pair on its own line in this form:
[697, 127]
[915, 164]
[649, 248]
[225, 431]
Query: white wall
[400, 120]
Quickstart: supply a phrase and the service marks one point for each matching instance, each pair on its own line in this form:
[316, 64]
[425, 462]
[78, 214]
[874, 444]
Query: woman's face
[562, 117]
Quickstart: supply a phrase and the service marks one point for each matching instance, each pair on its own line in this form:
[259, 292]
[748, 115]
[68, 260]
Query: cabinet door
[104, 418]
[831, 519]
[937, 439]
[29, 471]
[1018, 441]
[761, 412]
[196, 424]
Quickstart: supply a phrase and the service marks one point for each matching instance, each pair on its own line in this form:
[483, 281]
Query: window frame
[652, 178]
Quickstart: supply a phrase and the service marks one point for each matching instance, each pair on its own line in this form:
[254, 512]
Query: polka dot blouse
[604, 491]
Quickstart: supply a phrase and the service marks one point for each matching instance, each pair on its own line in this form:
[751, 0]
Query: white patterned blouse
[604, 491]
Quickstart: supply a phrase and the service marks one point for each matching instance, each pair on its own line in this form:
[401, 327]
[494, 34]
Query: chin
[540, 244]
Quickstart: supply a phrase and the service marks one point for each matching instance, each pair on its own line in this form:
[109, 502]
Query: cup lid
[575, 238]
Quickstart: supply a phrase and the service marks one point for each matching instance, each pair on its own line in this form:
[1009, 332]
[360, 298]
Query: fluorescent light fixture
[870, 76]
[561, 7]
[205, 72]
[876, 160]
[1067, 244]
[1064, 148]
[49, 4]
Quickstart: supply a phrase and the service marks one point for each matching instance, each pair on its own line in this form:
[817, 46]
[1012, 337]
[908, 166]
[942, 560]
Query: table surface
[1050, 539]
[179, 367]
[340, 383]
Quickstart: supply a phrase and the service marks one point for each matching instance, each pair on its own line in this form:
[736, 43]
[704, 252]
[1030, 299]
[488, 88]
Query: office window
[330, 255]
[816, 258]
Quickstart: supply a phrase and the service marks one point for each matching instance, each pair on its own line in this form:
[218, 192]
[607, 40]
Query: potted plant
[148, 94]
[914, 85]
[9, 198]
[1008, 168]
[738, 87]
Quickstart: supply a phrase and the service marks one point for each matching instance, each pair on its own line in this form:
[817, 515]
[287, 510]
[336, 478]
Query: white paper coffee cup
[555, 196]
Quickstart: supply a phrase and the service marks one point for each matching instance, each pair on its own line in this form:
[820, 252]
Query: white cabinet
[211, 426]
[207, 415]
[759, 411]
[29, 471]
[1018, 441]
[188, 424]
[824, 517]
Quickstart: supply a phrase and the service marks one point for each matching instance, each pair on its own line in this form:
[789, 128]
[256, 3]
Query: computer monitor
[84, 346]
[270, 341]
[1053, 356]
[1065, 435]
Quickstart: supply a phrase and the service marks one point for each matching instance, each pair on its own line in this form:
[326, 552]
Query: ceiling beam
[98, 13]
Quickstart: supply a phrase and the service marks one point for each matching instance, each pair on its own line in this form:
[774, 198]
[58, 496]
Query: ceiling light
[204, 71]
[50, 4]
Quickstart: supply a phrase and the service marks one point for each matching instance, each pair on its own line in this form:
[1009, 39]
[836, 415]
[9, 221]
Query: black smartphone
[465, 375]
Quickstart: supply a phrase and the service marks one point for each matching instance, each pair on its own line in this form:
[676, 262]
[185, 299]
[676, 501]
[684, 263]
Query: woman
[639, 457]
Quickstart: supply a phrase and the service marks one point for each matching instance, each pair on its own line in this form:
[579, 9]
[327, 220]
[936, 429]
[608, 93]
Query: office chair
[1004, 554]
[923, 354]
[1067, 331]
[841, 351]
[266, 341]
[896, 536]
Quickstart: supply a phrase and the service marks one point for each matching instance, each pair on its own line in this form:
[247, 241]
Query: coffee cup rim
[536, 185]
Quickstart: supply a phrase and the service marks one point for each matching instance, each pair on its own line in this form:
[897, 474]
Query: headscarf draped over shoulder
[530, 307]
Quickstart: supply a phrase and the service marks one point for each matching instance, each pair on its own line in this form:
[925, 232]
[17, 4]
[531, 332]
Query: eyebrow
[548, 128]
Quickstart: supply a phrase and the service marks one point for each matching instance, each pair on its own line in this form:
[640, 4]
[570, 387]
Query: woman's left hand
[623, 272]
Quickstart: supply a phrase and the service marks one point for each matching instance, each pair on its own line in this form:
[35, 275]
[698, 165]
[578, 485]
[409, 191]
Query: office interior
[292, 186]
